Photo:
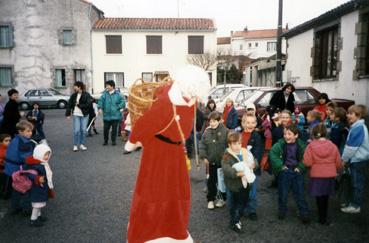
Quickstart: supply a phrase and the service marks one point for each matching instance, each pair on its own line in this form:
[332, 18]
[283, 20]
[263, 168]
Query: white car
[238, 95]
[218, 91]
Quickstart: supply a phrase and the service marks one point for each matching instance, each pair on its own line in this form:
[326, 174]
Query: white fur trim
[171, 240]
[131, 147]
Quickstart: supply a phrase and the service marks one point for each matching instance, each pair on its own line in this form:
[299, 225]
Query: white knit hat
[40, 150]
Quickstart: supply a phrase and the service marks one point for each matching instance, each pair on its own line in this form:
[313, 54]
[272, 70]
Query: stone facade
[48, 35]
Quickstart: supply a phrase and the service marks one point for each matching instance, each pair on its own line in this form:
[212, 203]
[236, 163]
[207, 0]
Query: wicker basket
[141, 96]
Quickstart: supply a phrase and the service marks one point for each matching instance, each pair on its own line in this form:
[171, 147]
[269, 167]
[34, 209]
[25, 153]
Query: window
[256, 44]
[362, 49]
[241, 47]
[44, 93]
[210, 77]
[195, 44]
[303, 97]
[118, 78]
[325, 53]
[6, 76]
[6, 36]
[271, 46]
[113, 44]
[147, 76]
[60, 80]
[32, 93]
[265, 100]
[250, 45]
[79, 75]
[67, 37]
[154, 44]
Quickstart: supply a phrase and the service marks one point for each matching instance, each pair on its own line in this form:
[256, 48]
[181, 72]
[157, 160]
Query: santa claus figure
[161, 203]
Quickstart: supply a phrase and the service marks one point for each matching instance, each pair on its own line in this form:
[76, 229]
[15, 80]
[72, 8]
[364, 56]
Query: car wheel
[24, 106]
[62, 104]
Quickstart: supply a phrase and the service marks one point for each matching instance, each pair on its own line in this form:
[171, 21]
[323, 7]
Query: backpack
[21, 183]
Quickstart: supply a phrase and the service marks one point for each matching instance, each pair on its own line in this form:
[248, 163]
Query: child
[42, 183]
[356, 155]
[36, 117]
[251, 138]
[321, 107]
[286, 157]
[230, 116]
[212, 146]
[323, 157]
[237, 193]
[338, 131]
[313, 118]
[11, 115]
[298, 118]
[330, 109]
[285, 120]
[4, 142]
[18, 150]
[251, 110]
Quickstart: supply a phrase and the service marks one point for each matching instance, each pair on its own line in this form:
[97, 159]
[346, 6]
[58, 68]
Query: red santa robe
[161, 202]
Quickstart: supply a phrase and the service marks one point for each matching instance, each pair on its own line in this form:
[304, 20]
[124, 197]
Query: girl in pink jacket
[323, 158]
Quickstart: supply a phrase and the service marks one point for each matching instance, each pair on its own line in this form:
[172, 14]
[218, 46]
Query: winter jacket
[2, 157]
[301, 118]
[257, 149]
[213, 144]
[279, 101]
[231, 180]
[40, 117]
[322, 109]
[357, 144]
[111, 105]
[38, 192]
[11, 118]
[277, 133]
[277, 155]
[84, 103]
[338, 135]
[324, 159]
[18, 150]
[232, 119]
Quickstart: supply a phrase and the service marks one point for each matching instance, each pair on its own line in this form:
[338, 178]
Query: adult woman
[230, 116]
[284, 99]
[78, 107]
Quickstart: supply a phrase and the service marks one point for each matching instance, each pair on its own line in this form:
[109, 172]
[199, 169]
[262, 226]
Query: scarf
[226, 111]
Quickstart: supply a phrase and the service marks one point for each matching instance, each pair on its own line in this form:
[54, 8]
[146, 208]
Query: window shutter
[316, 52]
[361, 51]
[113, 44]
[10, 36]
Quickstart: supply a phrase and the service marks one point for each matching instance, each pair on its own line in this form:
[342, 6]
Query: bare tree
[205, 60]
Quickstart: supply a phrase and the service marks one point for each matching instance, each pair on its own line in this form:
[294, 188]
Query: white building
[125, 49]
[331, 52]
[45, 44]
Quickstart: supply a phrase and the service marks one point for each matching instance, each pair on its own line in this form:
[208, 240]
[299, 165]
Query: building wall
[134, 60]
[37, 52]
[299, 61]
[224, 49]
[255, 52]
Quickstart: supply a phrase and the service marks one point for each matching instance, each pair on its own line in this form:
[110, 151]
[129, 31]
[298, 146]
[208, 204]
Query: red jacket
[322, 109]
[323, 158]
[2, 157]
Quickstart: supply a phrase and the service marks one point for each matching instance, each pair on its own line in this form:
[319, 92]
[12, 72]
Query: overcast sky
[228, 14]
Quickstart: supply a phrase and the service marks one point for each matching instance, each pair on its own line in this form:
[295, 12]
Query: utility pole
[278, 79]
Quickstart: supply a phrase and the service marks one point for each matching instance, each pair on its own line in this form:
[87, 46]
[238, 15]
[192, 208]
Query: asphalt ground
[94, 190]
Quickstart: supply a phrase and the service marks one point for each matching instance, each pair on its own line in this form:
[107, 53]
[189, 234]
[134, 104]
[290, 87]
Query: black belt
[167, 140]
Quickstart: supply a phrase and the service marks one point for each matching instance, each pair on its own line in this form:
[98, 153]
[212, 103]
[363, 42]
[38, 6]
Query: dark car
[305, 97]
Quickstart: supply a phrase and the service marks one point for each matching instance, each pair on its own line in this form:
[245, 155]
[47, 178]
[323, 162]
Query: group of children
[324, 148]
[25, 174]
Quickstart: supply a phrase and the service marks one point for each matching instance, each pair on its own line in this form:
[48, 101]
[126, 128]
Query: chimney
[245, 29]
[231, 33]
[286, 26]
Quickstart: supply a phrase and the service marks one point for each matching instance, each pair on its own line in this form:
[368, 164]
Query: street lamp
[279, 46]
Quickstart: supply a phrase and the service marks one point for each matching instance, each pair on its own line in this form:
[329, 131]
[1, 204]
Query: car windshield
[54, 92]
[255, 95]
[226, 94]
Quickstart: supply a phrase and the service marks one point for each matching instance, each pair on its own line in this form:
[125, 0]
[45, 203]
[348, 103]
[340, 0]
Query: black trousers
[322, 204]
[212, 183]
[114, 130]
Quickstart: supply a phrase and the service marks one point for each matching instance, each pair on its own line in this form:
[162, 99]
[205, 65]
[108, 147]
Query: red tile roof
[223, 40]
[155, 24]
[257, 34]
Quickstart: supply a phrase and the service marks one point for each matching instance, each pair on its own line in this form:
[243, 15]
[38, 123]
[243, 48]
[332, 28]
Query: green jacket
[231, 180]
[213, 144]
[277, 155]
[111, 104]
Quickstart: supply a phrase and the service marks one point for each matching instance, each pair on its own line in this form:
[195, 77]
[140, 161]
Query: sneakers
[83, 147]
[220, 203]
[351, 209]
[237, 227]
[75, 148]
[36, 223]
[211, 205]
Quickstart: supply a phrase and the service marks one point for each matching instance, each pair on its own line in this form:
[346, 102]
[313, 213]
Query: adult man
[111, 104]
[11, 114]
[284, 99]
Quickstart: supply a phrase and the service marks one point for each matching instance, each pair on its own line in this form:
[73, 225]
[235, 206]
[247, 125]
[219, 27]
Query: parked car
[238, 95]
[46, 98]
[123, 92]
[305, 97]
[218, 91]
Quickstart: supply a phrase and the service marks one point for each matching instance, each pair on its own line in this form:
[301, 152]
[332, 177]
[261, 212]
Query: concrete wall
[37, 52]
[253, 51]
[134, 60]
[299, 61]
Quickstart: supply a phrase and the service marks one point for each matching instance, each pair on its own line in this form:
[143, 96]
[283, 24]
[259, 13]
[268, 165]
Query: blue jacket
[38, 193]
[111, 104]
[18, 150]
[357, 144]
[232, 119]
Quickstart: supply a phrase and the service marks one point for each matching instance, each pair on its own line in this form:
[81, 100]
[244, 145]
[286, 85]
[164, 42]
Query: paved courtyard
[94, 191]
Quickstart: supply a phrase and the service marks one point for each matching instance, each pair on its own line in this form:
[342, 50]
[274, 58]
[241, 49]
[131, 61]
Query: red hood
[32, 161]
[321, 149]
